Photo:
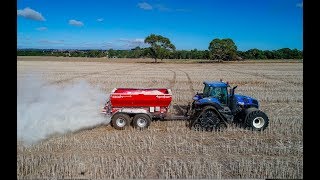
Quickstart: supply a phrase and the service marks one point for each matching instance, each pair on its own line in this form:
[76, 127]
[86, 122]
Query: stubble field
[168, 149]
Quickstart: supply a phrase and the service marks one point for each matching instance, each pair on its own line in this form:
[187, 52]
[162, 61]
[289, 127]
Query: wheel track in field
[172, 82]
[191, 89]
[70, 79]
[83, 76]
[152, 169]
[263, 76]
[174, 107]
[177, 107]
[153, 82]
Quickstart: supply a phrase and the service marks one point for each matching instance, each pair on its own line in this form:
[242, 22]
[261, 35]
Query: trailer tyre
[120, 121]
[141, 121]
[257, 120]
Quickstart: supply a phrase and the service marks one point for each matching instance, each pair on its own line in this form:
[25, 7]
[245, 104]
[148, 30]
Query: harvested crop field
[168, 149]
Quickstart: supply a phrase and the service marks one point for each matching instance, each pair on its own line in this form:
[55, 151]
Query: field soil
[168, 149]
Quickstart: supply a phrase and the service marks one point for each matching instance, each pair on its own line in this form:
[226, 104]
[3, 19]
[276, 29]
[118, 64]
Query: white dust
[44, 109]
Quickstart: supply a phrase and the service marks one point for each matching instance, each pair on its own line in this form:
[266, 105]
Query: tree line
[284, 53]
[162, 48]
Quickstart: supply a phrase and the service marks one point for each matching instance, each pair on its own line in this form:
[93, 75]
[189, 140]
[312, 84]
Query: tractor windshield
[206, 91]
[220, 93]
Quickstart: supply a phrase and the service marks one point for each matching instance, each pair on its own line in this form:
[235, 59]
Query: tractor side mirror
[232, 90]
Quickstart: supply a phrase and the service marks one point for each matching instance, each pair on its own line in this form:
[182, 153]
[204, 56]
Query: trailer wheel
[120, 121]
[141, 121]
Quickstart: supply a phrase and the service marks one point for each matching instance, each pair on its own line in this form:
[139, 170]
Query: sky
[189, 24]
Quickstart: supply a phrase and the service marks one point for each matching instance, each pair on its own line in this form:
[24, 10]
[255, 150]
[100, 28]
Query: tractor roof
[216, 83]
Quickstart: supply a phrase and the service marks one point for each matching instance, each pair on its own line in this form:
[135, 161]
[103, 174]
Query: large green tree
[255, 54]
[159, 46]
[222, 49]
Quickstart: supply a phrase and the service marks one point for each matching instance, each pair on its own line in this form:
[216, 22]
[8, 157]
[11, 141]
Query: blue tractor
[218, 106]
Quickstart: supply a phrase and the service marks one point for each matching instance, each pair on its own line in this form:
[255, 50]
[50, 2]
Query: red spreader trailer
[138, 106]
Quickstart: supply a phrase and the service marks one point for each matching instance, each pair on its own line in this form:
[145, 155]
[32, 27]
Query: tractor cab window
[220, 93]
[206, 91]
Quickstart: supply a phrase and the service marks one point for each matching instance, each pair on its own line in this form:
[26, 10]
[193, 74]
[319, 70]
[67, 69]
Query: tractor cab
[214, 91]
[221, 95]
[217, 90]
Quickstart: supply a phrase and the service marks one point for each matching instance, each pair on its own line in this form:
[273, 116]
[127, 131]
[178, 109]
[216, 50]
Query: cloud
[161, 7]
[93, 45]
[73, 22]
[30, 14]
[299, 5]
[51, 42]
[100, 19]
[131, 43]
[107, 44]
[137, 40]
[41, 28]
[145, 6]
